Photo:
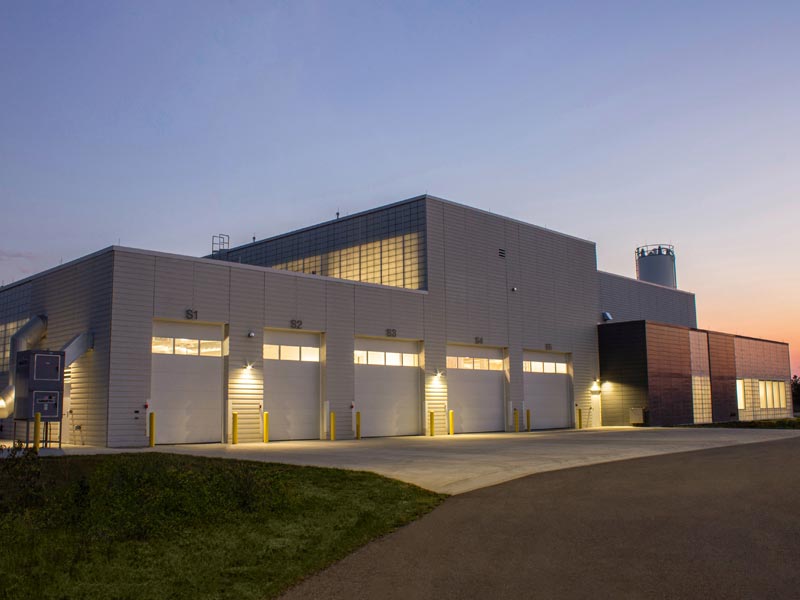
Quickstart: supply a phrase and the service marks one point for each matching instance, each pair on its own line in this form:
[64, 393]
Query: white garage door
[186, 382]
[548, 389]
[292, 385]
[387, 387]
[475, 388]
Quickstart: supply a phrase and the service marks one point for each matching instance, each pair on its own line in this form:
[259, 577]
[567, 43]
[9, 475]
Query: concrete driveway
[720, 524]
[458, 464]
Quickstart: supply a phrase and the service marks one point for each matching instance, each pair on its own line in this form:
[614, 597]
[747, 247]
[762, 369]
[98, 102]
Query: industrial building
[401, 314]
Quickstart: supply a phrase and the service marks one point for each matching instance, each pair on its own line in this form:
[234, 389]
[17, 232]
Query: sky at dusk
[158, 124]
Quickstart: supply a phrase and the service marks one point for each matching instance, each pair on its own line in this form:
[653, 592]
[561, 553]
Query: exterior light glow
[595, 386]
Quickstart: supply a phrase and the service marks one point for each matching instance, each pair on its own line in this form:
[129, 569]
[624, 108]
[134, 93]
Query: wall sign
[191, 314]
[391, 333]
[296, 324]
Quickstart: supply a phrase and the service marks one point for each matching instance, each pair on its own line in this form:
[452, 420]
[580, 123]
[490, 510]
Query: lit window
[495, 364]
[782, 392]
[549, 367]
[762, 395]
[376, 358]
[309, 354]
[412, 360]
[290, 352]
[162, 345]
[740, 393]
[271, 351]
[561, 368]
[394, 359]
[210, 348]
[481, 364]
[768, 386]
[187, 347]
[360, 357]
[537, 366]
[464, 362]
[526, 366]
[452, 362]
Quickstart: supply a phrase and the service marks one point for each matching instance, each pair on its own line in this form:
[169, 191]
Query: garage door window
[295, 353]
[186, 346]
[210, 348]
[163, 345]
[475, 364]
[388, 359]
[537, 366]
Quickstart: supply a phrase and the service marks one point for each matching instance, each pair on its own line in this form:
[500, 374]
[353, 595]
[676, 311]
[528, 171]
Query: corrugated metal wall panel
[246, 386]
[338, 368]
[131, 359]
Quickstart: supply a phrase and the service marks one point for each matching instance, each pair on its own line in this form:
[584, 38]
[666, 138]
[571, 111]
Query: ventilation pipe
[76, 347]
[27, 336]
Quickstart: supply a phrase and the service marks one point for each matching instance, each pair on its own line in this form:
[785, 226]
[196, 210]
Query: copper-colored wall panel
[722, 358]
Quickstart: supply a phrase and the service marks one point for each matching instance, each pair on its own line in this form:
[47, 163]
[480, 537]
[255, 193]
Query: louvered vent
[501, 252]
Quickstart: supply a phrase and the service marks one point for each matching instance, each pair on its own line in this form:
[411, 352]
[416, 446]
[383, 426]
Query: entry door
[186, 382]
[476, 388]
[292, 384]
[548, 389]
[388, 385]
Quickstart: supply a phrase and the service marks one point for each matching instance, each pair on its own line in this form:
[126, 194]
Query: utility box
[39, 385]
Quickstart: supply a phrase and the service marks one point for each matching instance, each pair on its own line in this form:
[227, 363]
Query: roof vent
[501, 252]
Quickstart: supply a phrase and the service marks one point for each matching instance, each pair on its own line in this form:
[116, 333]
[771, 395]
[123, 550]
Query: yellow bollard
[358, 425]
[333, 426]
[430, 423]
[528, 419]
[516, 421]
[266, 427]
[580, 418]
[235, 433]
[450, 419]
[152, 429]
[37, 431]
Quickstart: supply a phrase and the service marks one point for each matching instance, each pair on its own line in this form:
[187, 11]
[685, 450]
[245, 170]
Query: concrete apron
[465, 462]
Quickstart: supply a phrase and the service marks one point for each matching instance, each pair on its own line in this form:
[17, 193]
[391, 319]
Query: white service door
[476, 396]
[548, 395]
[388, 396]
[186, 389]
[292, 385]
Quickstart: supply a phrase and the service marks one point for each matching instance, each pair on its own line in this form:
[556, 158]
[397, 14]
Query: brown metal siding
[669, 375]
[722, 361]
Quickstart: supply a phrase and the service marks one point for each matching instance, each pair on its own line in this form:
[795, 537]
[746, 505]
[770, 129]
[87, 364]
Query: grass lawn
[156, 525]
[773, 424]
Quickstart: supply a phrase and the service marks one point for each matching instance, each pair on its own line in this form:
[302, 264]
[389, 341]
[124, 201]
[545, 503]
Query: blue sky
[159, 124]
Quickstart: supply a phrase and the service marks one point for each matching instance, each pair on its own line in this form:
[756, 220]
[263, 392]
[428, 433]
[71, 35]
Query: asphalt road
[716, 523]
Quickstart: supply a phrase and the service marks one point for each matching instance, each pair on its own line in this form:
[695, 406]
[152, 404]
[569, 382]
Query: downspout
[27, 336]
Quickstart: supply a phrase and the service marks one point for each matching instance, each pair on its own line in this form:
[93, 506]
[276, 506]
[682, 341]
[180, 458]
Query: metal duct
[76, 347]
[27, 336]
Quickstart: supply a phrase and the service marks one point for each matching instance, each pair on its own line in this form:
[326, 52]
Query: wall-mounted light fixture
[248, 365]
[595, 386]
[438, 373]
[514, 289]
[251, 334]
